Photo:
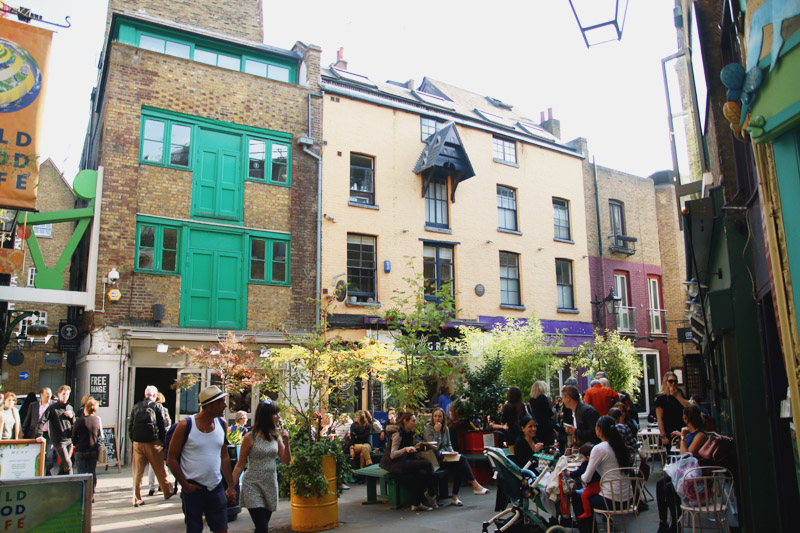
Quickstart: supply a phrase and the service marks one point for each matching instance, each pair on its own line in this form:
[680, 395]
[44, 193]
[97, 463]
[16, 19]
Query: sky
[528, 53]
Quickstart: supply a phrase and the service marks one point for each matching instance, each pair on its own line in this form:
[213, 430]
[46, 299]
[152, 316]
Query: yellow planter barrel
[318, 514]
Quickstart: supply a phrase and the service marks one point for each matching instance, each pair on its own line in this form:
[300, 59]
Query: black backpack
[145, 425]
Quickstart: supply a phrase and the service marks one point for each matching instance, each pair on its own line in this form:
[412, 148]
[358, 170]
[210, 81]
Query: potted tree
[305, 376]
[480, 392]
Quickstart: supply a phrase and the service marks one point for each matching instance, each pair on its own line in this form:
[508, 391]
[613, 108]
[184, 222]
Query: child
[592, 487]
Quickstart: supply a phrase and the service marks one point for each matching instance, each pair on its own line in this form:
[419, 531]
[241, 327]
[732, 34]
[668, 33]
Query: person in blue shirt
[241, 423]
[444, 398]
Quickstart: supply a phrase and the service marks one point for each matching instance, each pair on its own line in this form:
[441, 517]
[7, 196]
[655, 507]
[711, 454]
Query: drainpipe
[599, 240]
[307, 141]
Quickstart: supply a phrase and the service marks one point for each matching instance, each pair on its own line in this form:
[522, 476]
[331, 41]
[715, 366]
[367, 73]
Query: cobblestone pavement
[114, 512]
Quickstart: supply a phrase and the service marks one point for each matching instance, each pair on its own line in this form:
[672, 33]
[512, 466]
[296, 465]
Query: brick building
[636, 251]
[466, 187]
[209, 191]
[42, 364]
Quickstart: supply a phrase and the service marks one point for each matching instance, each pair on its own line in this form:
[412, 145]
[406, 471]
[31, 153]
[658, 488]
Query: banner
[24, 54]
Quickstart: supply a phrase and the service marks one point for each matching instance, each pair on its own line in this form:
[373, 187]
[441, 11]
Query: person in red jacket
[600, 396]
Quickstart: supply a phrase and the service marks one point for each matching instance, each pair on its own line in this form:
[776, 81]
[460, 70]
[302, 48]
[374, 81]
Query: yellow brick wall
[53, 194]
[392, 137]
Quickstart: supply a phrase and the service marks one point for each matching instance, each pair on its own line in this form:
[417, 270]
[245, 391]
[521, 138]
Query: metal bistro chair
[623, 482]
[644, 470]
[652, 448]
[707, 490]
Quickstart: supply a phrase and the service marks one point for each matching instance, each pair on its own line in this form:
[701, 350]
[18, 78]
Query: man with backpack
[147, 427]
[198, 458]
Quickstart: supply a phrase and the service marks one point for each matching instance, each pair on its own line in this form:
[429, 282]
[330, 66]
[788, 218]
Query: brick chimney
[340, 62]
[552, 125]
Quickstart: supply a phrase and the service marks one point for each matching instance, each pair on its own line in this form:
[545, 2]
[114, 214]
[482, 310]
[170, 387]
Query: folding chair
[626, 484]
[706, 490]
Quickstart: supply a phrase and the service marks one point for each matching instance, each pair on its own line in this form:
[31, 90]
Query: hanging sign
[24, 54]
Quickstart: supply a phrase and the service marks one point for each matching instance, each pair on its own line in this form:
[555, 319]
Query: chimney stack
[552, 125]
[340, 62]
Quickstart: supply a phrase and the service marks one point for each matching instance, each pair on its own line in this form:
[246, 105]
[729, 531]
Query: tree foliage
[614, 355]
[525, 349]
[235, 365]
[415, 325]
[481, 391]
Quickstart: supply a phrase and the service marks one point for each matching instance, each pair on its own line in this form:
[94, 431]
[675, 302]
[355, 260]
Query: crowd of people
[601, 424]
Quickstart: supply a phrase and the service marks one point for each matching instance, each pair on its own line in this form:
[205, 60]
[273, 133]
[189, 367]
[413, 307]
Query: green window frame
[176, 43]
[170, 139]
[269, 261]
[157, 248]
[277, 170]
[165, 142]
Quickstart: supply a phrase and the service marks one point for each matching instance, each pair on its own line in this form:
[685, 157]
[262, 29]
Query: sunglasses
[672, 381]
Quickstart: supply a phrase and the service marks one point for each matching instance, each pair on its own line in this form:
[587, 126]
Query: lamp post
[600, 21]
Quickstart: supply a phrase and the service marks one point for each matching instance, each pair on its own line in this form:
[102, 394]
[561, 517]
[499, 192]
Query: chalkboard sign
[112, 451]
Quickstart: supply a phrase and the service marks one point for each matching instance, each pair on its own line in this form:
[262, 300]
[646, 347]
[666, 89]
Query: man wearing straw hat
[198, 458]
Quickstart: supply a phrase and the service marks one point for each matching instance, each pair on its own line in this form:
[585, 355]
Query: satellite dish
[341, 290]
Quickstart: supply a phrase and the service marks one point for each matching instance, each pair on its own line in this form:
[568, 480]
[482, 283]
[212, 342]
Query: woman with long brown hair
[400, 457]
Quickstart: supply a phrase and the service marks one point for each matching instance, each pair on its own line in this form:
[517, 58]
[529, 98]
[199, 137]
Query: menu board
[20, 459]
[112, 450]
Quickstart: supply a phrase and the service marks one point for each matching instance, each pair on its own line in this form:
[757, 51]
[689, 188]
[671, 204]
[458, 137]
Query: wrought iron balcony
[623, 244]
[626, 319]
[658, 321]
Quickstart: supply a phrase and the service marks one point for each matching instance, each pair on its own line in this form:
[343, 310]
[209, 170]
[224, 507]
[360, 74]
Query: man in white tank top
[198, 457]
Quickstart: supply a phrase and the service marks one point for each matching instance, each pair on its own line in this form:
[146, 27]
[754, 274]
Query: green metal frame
[53, 277]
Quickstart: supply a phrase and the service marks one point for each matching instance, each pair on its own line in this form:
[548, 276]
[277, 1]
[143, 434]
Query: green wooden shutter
[217, 191]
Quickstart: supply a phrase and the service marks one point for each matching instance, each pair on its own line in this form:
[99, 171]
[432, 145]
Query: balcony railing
[658, 321]
[623, 244]
[626, 319]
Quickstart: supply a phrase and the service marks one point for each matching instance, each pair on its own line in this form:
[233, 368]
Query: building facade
[42, 364]
[636, 255]
[209, 208]
[459, 188]
[742, 165]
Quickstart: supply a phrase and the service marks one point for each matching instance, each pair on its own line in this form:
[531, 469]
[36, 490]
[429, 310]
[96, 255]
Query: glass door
[650, 383]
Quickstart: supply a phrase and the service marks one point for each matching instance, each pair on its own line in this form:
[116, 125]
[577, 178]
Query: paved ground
[113, 512]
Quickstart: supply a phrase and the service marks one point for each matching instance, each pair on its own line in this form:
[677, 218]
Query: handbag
[430, 456]
[102, 456]
[716, 449]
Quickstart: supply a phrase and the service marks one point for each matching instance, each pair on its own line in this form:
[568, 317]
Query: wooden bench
[394, 488]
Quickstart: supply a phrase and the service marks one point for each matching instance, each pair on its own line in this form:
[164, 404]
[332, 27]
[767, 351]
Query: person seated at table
[591, 488]
[610, 454]
[526, 444]
[692, 439]
[630, 439]
[627, 419]
[360, 432]
[436, 431]
[400, 457]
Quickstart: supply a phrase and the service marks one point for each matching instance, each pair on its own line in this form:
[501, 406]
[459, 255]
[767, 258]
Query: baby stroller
[520, 487]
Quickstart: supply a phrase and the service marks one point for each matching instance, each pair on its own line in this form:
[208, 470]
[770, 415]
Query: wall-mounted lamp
[406, 230]
[328, 217]
[489, 241]
[610, 304]
[541, 248]
[162, 347]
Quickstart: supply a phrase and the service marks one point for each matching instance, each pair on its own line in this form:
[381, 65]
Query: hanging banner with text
[24, 54]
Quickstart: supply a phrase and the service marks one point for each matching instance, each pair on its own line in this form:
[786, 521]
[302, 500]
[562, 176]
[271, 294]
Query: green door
[213, 290]
[217, 191]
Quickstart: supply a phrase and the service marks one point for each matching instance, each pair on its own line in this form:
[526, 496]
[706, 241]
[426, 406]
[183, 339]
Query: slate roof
[445, 102]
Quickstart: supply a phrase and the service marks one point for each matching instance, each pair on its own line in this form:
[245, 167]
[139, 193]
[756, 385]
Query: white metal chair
[652, 448]
[706, 490]
[626, 484]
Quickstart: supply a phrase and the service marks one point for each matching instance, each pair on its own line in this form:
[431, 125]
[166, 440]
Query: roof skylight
[432, 99]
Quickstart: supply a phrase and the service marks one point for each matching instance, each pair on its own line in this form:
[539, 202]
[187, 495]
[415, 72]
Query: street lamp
[610, 304]
[600, 21]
